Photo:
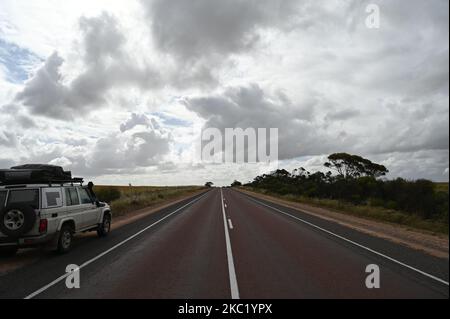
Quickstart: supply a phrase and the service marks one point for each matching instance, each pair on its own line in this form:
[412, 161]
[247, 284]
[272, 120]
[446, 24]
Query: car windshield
[2, 198]
[24, 197]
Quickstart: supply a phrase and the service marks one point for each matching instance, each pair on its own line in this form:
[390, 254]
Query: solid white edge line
[355, 243]
[230, 223]
[231, 271]
[59, 279]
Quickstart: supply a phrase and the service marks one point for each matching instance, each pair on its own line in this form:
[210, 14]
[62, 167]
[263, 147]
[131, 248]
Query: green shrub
[107, 194]
[376, 202]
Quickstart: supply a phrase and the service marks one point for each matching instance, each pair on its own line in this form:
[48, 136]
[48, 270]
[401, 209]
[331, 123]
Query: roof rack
[72, 181]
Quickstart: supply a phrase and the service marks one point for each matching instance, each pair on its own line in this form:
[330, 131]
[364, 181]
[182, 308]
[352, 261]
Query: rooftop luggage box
[35, 173]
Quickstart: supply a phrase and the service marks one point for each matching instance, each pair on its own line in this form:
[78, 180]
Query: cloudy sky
[117, 90]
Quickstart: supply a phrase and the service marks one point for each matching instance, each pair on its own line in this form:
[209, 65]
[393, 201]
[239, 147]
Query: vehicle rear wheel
[105, 227]
[65, 239]
[8, 251]
[16, 220]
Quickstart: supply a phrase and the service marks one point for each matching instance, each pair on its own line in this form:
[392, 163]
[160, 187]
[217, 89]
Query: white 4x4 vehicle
[47, 214]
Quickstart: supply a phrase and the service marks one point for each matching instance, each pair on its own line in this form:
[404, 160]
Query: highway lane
[29, 279]
[200, 248]
[184, 258]
[431, 265]
[277, 256]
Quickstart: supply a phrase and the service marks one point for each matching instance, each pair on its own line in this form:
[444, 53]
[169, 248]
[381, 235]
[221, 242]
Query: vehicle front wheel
[105, 227]
[8, 251]
[65, 239]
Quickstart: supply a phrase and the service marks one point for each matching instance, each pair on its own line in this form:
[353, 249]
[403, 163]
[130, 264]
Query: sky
[117, 91]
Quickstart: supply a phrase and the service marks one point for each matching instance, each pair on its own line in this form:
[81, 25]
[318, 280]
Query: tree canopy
[354, 166]
[236, 183]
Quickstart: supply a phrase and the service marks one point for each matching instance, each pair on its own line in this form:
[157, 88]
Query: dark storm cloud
[251, 107]
[7, 139]
[25, 121]
[342, 115]
[192, 29]
[202, 35]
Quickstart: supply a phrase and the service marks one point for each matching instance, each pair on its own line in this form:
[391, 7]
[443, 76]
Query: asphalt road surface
[225, 244]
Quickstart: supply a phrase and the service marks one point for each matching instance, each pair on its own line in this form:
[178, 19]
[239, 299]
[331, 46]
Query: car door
[74, 209]
[90, 209]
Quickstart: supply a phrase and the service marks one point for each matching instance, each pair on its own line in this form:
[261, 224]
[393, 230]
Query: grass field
[442, 187]
[370, 212]
[126, 199]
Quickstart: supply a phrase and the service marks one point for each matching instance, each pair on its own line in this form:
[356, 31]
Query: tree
[299, 172]
[209, 184]
[281, 173]
[236, 184]
[354, 166]
[375, 170]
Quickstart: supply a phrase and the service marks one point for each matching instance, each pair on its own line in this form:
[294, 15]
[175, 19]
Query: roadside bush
[420, 198]
[390, 204]
[135, 198]
[376, 202]
[107, 194]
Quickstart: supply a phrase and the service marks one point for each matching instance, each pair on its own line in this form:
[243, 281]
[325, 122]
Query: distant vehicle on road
[42, 205]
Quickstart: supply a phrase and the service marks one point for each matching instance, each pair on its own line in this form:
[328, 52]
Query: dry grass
[441, 187]
[133, 198]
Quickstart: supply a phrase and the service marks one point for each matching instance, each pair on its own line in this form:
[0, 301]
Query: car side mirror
[99, 204]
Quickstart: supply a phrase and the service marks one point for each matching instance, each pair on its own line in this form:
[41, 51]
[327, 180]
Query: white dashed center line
[231, 270]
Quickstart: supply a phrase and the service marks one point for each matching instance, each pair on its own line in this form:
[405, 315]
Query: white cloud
[136, 119]
[106, 66]
[131, 83]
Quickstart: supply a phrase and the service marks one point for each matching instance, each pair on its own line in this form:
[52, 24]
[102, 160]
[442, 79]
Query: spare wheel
[17, 220]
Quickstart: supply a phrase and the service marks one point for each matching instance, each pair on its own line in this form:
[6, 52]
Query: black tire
[104, 228]
[8, 251]
[16, 220]
[65, 239]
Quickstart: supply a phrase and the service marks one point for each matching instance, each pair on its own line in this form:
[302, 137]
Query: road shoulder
[133, 216]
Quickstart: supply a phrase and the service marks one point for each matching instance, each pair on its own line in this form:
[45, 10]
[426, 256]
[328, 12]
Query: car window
[51, 197]
[25, 197]
[84, 196]
[2, 198]
[72, 197]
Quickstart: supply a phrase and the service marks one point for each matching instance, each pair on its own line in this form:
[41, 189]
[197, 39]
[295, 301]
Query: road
[226, 244]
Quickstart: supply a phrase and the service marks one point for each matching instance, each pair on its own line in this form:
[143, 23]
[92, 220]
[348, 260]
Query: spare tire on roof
[17, 220]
